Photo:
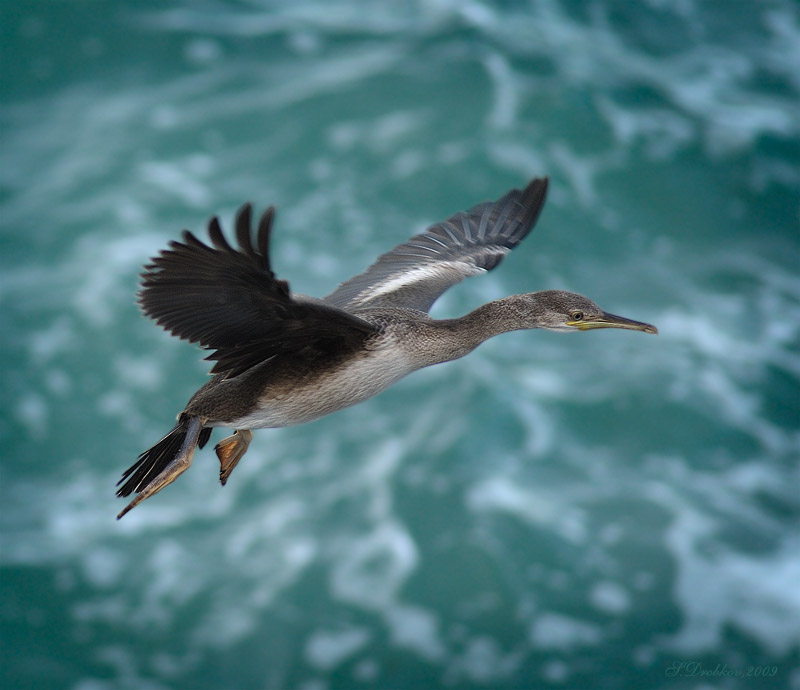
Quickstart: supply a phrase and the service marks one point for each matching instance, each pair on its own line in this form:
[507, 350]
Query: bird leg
[177, 466]
[230, 450]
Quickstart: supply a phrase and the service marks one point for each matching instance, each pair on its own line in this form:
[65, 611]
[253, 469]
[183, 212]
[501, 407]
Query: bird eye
[576, 315]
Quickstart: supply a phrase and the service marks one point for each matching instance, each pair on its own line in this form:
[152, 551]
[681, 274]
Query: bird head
[558, 310]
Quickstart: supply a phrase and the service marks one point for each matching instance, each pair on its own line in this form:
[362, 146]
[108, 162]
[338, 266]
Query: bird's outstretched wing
[415, 274]
[230, 301]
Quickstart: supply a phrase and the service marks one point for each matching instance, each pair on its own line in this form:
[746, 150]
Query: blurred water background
[602, 510]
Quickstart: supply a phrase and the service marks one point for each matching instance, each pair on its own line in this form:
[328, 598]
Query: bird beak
[607, 320]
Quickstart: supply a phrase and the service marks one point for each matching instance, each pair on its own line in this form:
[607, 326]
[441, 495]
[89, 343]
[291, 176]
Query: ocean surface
[596, 510]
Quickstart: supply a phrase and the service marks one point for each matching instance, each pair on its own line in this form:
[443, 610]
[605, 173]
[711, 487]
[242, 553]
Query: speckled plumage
[282, 359]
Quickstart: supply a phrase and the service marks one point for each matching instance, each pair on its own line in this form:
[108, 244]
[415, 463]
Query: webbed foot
[230, 450]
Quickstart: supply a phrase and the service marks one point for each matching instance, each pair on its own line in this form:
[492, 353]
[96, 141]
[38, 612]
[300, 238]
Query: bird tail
[150, 463]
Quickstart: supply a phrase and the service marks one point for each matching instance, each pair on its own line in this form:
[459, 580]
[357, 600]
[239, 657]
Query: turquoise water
[601, 510]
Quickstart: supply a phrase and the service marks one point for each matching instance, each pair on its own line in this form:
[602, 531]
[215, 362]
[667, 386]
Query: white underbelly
[318, 396]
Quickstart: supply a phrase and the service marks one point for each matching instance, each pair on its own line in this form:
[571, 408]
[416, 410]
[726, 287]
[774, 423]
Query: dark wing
[230, 301]
[415, 274]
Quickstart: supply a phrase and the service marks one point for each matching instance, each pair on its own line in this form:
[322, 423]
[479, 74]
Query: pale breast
[325, 392]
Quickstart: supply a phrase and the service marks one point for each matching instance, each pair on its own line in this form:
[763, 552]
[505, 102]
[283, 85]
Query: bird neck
[464, 334]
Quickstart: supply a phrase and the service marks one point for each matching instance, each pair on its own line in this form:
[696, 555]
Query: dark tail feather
[153, 461]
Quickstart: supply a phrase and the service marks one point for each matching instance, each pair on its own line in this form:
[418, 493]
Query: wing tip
[535, 192]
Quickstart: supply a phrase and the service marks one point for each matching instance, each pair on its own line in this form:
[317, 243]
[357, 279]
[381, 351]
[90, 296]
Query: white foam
[203, 51]
[555, 631]
[539, 507]
[101, 272]
[58, 337]
[722, 587]
[102, 567]
[610, 597]
[176, 179]
[662, 131]
[372, 568]
[415, 629]
[505, 96]
[327, 649]
[143, 372]
[483, 661]
[33, 411]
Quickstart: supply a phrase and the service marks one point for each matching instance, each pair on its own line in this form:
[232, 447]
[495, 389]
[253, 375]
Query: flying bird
[282, 358]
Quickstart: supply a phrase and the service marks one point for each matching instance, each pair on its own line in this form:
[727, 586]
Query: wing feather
[229, 300]
[416, 273]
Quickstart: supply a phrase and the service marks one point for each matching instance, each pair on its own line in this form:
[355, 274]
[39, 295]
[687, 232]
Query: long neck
[459, 337]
